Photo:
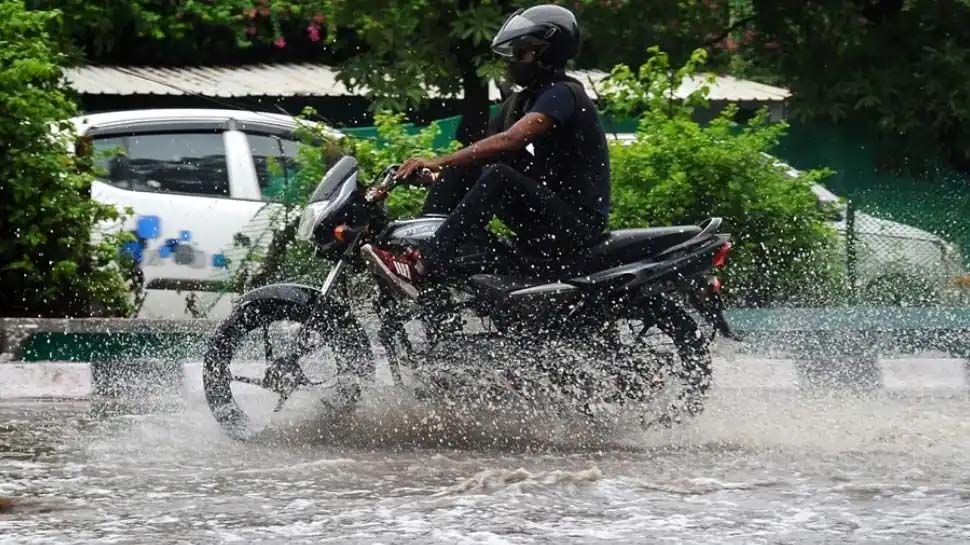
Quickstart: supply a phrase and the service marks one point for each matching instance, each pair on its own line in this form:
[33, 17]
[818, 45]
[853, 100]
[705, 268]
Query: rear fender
[708, 302]
[703, 239]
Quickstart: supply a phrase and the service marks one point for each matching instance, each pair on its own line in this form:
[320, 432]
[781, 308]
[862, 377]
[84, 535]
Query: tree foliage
[193, 31]
[49, 265]
[400, 52]
[619, 31]
[897, 67]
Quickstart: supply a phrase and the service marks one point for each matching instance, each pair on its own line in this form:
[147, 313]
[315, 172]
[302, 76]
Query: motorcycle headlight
[312, 214]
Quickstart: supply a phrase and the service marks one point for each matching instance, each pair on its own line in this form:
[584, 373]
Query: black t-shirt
[572, 159]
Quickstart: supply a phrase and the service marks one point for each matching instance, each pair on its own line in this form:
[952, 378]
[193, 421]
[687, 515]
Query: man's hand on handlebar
[420, 172]
[418, 169]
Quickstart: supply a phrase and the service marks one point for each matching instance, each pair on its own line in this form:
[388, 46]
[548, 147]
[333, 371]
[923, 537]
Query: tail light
[721, 255]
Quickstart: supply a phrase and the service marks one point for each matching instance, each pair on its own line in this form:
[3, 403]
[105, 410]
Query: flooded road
[761, 465]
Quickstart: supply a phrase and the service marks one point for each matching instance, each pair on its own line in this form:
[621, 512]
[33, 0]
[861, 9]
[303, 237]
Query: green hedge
[678, 171]
[49, 265]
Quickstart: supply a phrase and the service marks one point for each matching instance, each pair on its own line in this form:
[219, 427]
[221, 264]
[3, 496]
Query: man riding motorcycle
[543, 170]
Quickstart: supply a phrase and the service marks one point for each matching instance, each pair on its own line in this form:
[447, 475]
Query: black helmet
[551, 29]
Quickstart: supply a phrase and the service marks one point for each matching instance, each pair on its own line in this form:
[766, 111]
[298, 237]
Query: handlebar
[388, 182]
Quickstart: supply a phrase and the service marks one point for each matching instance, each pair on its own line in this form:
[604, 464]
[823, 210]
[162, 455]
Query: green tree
[406, 48]
[49, 265]
[619, 31]
[897, 67]
[195, 32]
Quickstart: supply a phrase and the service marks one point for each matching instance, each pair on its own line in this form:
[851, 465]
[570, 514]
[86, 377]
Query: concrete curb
[801, 331]
[123, 334]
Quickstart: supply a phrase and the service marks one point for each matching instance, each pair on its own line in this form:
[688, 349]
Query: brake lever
[381, 190]
[375, 194]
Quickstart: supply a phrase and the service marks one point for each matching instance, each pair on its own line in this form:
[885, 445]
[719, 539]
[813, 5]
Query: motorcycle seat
[611, 249]
[628, 245]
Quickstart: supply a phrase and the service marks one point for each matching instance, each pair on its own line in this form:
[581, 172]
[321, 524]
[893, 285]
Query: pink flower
[280, 42]
[251, 30]
[319, 19]
[313, 31]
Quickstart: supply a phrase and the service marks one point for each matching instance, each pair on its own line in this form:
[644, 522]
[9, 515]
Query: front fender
[293, 293]
[303, 296]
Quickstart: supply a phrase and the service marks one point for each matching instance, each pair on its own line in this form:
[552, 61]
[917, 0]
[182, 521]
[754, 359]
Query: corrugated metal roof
[214, 81]
[307, 79]
[731, 89]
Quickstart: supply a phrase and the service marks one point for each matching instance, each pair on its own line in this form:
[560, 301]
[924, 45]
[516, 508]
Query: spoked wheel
[664, 361]
[274, 355]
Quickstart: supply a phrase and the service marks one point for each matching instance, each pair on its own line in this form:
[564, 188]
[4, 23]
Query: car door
[269, 160]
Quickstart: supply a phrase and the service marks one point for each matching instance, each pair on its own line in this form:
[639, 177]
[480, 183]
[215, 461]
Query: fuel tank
[479, 255]
[413, 232]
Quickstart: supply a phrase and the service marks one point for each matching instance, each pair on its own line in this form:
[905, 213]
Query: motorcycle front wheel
[274, 354]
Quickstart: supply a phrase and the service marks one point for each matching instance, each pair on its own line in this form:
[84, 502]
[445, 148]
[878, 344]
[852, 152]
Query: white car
[194, 179]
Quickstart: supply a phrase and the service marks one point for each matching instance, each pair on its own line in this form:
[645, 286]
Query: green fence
[936, 202]
[892, 263]
[907, 237]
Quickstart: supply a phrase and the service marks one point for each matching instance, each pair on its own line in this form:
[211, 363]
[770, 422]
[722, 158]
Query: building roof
[316, 80]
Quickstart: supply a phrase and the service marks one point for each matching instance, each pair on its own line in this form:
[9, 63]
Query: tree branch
[737, 24]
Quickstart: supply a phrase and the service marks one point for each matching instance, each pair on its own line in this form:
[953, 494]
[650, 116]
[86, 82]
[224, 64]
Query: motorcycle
[621, 323]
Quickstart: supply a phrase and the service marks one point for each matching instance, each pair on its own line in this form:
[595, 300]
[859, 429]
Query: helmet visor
[511, 35]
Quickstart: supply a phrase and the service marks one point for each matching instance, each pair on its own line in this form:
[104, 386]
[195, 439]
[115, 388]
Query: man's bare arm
[517, 137]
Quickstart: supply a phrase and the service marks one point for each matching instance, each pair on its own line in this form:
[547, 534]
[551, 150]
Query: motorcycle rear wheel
[679, 358]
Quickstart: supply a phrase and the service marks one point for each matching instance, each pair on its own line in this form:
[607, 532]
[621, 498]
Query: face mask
[522, 73]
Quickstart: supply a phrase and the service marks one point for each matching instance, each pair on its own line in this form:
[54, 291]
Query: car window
[193, 163]
[272, 172]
